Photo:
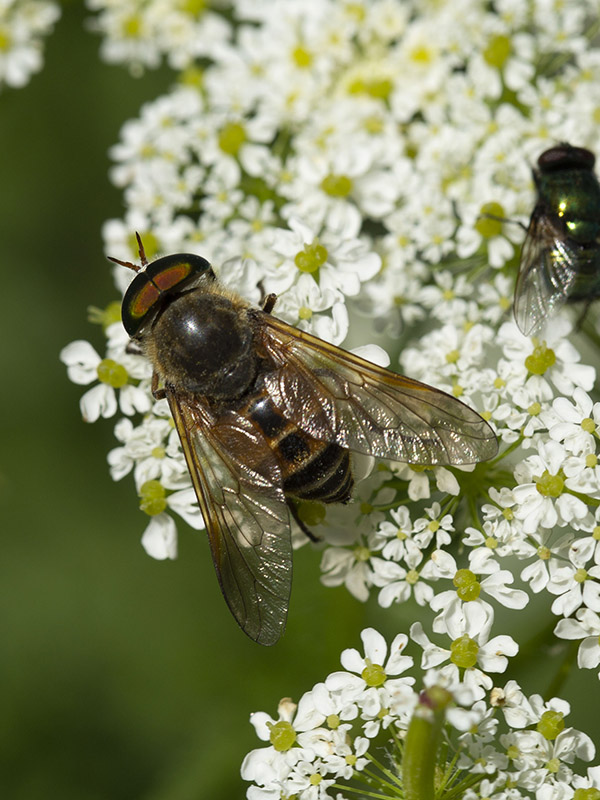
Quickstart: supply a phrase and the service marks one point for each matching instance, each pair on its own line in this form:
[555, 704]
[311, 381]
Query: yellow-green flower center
[580, 575]
[282, 736]
[153, 498]
[467, 586]
[5, 39]
[464, 651]
[132, 26]
[489, 223]
[379, 88]
[497, 52]
[412, 576]
[373, 675]
[540, 360]
[587, 794]
[337, 185]
[362, 553]
[111, 373]
[231, 138]
[551, 724]
[193, 7]
[311, 512]
[550, 485]
[302, 57]
[312, 257]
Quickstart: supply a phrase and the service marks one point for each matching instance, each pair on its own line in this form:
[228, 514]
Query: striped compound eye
[160, 279]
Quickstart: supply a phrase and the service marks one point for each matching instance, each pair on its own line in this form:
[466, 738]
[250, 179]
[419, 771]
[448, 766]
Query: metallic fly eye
[161, 279]
[565, 156]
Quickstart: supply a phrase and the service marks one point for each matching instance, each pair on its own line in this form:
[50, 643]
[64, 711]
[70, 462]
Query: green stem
[474, 514]
[509, 449]
[585, 498]
[422, 743]
[361, 792]
[449, 505]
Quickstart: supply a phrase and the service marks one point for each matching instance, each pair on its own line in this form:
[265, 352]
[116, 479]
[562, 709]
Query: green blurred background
[120, 677]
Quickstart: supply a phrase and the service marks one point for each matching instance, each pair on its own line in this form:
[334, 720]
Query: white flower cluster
[23, 23]
[543, 493]
[344, 155]
[510, 745]
[141, 32]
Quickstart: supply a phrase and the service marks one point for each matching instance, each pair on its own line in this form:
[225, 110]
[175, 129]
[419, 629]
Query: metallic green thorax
[571, 195]
[574, 196]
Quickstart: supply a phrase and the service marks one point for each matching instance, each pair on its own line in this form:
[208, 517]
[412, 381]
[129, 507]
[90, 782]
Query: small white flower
[84, 366]
[574, 584]
[22, 26]
[574, 424]
[160, 537]
[434, 526]
[367, 675]
[419, 486]
[398, 583]
[468, 625]
[513, 704]
[348, 567]
[540, 498]
[145, 449]
[585, 626]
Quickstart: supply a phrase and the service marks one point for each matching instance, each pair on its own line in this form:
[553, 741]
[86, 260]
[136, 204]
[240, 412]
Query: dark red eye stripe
[152, 287]
[143, 300]
[171, 276]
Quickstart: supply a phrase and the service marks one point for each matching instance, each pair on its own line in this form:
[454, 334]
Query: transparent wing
[239, 487]
[549, 267]
[336, 396]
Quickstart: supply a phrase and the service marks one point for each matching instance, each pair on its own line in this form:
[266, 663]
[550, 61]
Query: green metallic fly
[560, 260]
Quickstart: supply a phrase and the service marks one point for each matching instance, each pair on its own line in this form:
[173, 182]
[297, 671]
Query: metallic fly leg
[157, 393]
[269, 303]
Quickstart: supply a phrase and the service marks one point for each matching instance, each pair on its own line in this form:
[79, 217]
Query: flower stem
[590, 501]
[422, 743]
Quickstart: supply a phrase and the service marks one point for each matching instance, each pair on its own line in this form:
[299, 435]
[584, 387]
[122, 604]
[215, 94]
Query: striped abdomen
[312, 469]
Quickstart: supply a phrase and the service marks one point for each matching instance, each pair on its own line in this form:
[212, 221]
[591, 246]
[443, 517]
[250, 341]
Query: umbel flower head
[23, 23]
[361, 160]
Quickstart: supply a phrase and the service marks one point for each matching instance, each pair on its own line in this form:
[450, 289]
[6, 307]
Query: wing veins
[245, 512]
[336, 396]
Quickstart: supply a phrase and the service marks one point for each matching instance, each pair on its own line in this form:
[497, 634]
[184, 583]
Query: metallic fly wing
[336, 396]
[239, 487]
[547, 273]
